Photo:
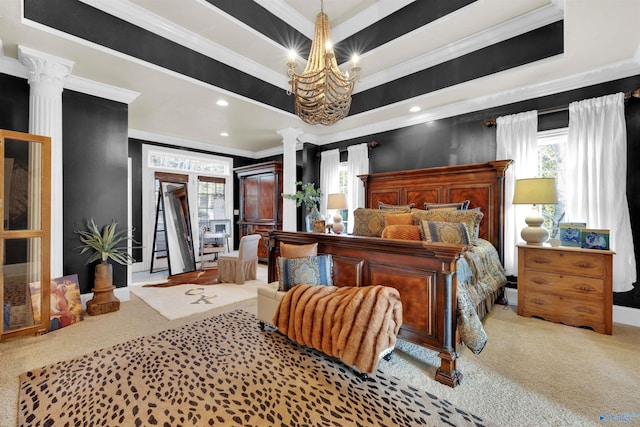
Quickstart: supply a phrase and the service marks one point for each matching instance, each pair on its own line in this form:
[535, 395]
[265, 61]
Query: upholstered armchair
[240, 265]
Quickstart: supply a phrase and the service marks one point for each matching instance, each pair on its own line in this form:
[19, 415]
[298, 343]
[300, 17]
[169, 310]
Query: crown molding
[13, 67]
[620, 70]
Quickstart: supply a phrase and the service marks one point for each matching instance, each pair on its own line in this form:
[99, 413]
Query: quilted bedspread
[356, 325]
[480, 278]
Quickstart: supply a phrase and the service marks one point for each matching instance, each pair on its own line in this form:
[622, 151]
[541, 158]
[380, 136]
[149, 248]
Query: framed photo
[594, 239]
[570, 233]
[66, 306]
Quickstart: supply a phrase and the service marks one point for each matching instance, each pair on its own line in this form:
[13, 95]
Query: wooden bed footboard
[424, 274]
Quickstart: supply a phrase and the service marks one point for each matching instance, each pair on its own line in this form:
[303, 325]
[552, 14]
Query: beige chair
[240, 265]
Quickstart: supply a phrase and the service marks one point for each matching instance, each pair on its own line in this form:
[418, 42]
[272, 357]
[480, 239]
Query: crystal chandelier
[322, 92]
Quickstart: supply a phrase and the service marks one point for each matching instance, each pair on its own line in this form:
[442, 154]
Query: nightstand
[567, 285]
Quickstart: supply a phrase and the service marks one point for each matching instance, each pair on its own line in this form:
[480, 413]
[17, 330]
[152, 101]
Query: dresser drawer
[571, 263]
[570, 311]
[564, 284]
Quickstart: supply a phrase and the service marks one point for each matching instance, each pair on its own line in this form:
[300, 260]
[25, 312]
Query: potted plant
[310, 196]
[106, 245]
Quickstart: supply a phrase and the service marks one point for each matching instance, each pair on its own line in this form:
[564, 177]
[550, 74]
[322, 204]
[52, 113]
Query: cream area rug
[184, 300]
[223, 371]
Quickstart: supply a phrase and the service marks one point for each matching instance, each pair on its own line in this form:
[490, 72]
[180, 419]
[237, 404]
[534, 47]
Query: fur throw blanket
[353, 324]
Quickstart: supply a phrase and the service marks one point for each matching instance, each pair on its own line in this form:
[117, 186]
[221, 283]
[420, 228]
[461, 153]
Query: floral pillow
[370, 222]
[313, 270]
[448, 232]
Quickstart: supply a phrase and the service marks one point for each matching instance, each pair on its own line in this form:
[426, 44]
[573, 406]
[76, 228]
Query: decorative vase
[103, 301]
[312, 217]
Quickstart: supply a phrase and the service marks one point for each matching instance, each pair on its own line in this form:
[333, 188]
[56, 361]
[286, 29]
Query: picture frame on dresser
[570, 233]
[594, 239]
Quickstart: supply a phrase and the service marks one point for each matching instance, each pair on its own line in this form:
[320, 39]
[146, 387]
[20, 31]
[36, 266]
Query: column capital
[44, 68]
[290, 135]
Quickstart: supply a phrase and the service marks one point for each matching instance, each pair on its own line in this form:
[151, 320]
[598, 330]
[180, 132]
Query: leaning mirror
[177, 227]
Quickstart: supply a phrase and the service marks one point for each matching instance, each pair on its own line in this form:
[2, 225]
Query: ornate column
[289, 141]
[46, 75]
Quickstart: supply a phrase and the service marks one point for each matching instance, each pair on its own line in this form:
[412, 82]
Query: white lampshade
[337, 201]
[535, 191]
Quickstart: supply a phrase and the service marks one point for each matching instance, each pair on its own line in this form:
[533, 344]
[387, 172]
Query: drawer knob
[540, 260]
[538, 301]
[583, 309]
[583, 287]
[540, 281]
[584, 264]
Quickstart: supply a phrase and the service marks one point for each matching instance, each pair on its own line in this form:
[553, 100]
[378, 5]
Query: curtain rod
[492, 122]
[370, 145]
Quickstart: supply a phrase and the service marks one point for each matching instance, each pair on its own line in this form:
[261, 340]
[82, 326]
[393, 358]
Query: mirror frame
[189, 259]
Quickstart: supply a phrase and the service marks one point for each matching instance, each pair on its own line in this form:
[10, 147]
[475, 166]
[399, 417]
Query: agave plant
[105, 243]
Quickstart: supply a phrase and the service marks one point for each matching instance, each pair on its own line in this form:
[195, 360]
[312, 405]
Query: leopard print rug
[222, 371]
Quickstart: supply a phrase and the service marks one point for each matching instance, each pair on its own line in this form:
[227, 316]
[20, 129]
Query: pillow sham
[398, 219]
[384, 206]
[470, 218]
[402, 232]
[460, 206]
[312, 270]
[448, 232]
[370, 222]
[288, 250]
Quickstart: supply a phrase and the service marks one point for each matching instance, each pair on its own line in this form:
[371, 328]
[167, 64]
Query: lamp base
[338, 226]
[534, 234]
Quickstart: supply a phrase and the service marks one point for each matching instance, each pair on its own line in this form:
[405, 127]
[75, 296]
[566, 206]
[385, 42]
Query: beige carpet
[532, 372]
[185, 300]
[222, 371]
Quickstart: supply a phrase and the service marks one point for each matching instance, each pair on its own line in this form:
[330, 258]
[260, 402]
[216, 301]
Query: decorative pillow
[387, 206]
[313, 270]
[470, 218]
[370, 222]
[460, 206]
[398, 219]
[288, 250]
[448, 232]
[402, 232]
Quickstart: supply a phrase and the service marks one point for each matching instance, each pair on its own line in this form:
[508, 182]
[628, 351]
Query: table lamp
[337, 201]
[535, 191]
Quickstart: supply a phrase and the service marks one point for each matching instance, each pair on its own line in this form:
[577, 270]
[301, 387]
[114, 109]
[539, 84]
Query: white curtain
[358, 164]
[329, 176]
[517, 139]
[596, 167]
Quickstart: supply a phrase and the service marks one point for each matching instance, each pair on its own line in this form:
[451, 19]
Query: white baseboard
[624, 315]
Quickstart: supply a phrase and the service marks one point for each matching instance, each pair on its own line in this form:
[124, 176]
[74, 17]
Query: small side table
[210, 245]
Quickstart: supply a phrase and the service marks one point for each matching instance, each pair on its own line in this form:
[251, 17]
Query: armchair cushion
[313, 270]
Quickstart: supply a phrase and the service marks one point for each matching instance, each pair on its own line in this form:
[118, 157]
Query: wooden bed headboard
[480, 183]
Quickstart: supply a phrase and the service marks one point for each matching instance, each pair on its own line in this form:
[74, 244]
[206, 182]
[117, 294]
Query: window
[550, 165]
[211, 204]
[343, 187]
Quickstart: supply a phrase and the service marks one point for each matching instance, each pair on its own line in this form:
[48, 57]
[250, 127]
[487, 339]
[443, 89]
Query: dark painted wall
[94, 176]
[14, 103]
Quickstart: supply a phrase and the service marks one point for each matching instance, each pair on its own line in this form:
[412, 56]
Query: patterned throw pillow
[458, 206]
[386, 206]
[448, 232]
[370, 222]
[398, 219]
[402, 232]
[313, 270]
[470, 218]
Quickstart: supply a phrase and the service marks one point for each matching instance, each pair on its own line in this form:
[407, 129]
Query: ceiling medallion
[322, 92]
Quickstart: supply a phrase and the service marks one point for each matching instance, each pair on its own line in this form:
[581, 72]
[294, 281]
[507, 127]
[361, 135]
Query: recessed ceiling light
[414, 109]
[224, 134]
[222, 103]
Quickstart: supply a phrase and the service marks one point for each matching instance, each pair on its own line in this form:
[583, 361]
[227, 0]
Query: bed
[429, 276]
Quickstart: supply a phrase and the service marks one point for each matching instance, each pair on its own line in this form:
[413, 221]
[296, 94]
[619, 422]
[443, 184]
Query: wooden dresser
[567, 285]
[260, 202]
